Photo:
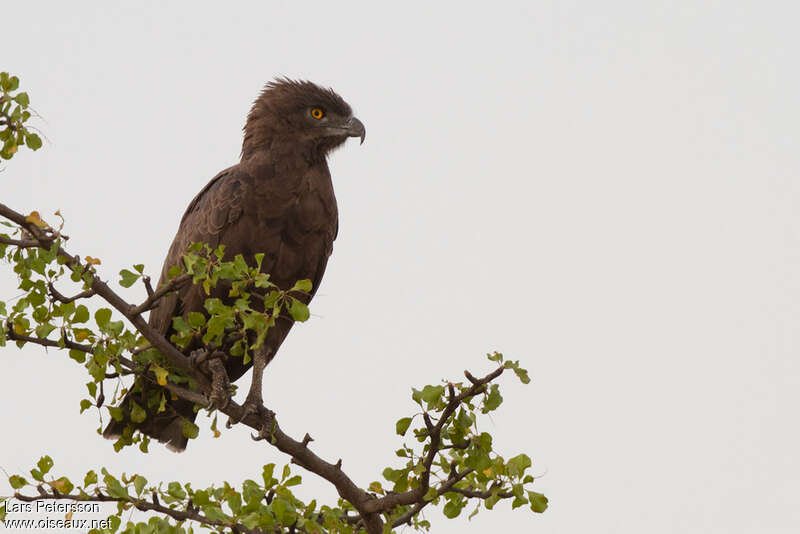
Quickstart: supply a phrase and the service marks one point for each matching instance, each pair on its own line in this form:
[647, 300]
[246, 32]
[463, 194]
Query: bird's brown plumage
[278, 200]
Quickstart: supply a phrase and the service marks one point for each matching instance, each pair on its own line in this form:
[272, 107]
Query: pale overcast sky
[606, 191]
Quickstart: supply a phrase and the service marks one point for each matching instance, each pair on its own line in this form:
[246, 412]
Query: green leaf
[174, 271]
[538, 502]
[62, 485]
[298, 310]
[251, 492]
[161, 374]
[196, 319]
[522, 374]
[251, 520]
[115, 412]
[128, 278]
[201, 498]
[44, 464]
[180, 325]
[432, 393]
[492, 399]
[190, 430]
[114, 488]
[484, 441]
[491, 501]
[283, 511]
[259, 258]
[139, 482]
[138, 414]
[85, 404]
[452, 509]
[214, 513]
[175, 490]
[113, 523]
[22, 99]
[402, 426]
[267, 475]
[81, 314]
[17, 481]
[495, 357]
[139, 267]
[102, 317]
[33, 141]
[234, 501]
[43, 330]
[89, 479]
[302, 285]
[262, 281]
[215, 306]
[77, 355]
[517, 465]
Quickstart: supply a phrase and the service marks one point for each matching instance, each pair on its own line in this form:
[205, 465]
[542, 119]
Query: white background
[605, 191]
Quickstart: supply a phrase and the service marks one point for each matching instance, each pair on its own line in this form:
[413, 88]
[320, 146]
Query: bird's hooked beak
[355, 128]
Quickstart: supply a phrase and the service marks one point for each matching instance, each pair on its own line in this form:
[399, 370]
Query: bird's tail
[166, 424]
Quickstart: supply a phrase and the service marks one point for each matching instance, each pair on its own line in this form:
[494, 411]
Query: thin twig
[66, 300]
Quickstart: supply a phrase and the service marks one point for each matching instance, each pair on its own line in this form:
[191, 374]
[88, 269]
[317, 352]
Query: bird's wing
[218, 205]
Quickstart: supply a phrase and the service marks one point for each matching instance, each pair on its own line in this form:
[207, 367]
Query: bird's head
[292, 114]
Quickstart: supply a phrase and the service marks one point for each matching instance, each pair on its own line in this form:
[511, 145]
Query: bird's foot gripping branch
[450, 462]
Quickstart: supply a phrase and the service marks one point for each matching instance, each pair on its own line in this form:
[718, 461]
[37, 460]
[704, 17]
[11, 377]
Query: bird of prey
[279, 201]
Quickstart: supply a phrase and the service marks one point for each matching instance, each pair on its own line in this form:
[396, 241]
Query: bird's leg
[197, 358]
[211, 363]
[254, 403]
[220, 385]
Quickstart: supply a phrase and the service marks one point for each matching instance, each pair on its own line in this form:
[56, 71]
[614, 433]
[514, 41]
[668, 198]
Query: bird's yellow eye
[317, 113]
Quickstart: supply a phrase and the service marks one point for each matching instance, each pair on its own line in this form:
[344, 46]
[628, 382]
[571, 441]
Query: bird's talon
[197, 357]
[267, 426]
[248, 408]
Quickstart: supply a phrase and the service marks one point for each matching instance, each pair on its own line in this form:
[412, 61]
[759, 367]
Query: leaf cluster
[110, 349]
[267, 504]
[252, 307]
[453, 458]
[14, 113]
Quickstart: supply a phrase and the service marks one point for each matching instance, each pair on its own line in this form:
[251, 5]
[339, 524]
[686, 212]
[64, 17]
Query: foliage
[447, 460]
[14, 113]
[266, 503]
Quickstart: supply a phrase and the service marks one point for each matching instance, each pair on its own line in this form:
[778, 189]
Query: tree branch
[66, 300]
[153, 297]
[13, 336]
[415, 495]
[443, 488]
[179, 515]
[263, 420]
[306, 458]
[46, 238]
[21, 243]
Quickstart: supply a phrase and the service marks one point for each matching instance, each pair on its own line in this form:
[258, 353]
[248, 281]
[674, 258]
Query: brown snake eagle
[278, 200]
